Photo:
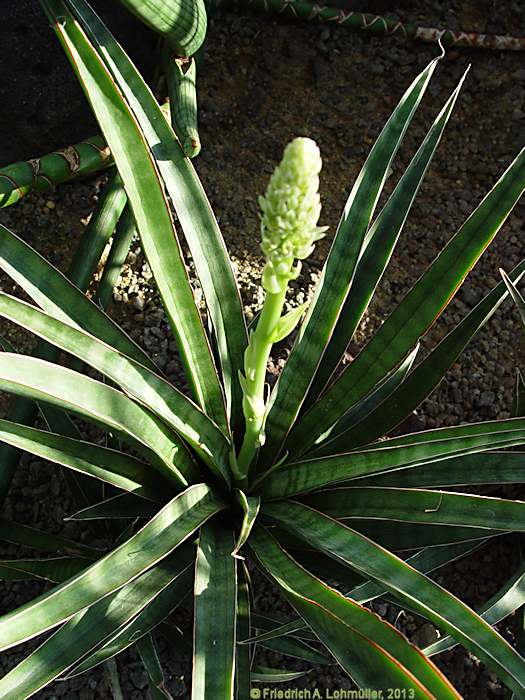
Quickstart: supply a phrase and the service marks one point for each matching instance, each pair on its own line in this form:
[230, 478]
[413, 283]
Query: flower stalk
[290, 211]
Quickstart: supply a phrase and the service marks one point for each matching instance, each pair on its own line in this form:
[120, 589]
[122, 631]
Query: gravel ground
[263, 83]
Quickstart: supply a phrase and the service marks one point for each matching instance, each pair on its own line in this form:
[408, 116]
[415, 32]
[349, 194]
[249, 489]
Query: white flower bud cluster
[291, 209]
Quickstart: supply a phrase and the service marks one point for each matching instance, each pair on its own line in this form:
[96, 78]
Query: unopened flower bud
[291, 209]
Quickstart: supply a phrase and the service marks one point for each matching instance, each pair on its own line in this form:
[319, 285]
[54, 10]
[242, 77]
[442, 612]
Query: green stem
[255, 364]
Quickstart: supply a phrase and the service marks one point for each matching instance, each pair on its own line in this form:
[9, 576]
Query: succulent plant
[301, 484]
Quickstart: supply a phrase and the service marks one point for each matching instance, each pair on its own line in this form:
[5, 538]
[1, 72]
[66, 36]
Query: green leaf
[420, 506]
[136, 165]
[514, 293]
[518, 404]
[361, 411]
[468, 470]
[288, 322]
[243, 652]
[116, 468]
[138, 381]
[150, 659]
[426, 560]
[295, 648]
[371, 651]
[421, 381]
[263, 674]
[162, 534]
[378, 247]
[409, 450]
[26, 536]
[88, 628]
[293, 383]
[410, 536]
[56, 569]
[502, 604]
[250, 506]
[120, 246]
[193, 210]
[48, 287]
[418, 310]
[95, 401]
[279, 628]
[409, 586]
[215, 611]
[150, 616]
[122, 506]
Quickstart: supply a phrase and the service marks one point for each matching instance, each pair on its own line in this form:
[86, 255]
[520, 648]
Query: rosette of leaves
[322, 499]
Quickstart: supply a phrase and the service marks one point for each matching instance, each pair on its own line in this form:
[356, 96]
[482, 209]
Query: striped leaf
[378, 247]
[149, 657]
[48, 287]
[149, 204]
[405, 398]
[215, 611]
[292, 385]
[420, 506]
[148, 619]
[469, 470]
[194, 213]
[26, 536]
[55, 569]
[371, 651]
[243, 652]
[88, 628]
[120, 507]
[420, 593]
[162, 534]
[426, 560]
[115, 468]
[418, 310]
[410, 450]
[138, 381]
[502, 604]
[98, 402]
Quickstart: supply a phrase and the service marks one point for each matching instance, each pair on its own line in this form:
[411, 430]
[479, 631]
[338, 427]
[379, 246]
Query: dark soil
[263, 82]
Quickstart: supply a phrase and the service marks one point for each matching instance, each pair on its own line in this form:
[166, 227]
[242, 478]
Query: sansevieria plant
[297, 482]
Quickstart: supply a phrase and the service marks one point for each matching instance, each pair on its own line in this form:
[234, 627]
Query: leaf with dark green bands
[378, 247]
[409, 450]
[138, 381]
[48, 287]
[370, 650]
[150, 659]
[194, 213]
[420, 506]
[27, 536]
[122, 506]
[418, 310]
[56, 569]
[406, 584]
[426, 560]
[148, 619]
[148, 201]
[215, 613]
[243, 652]
[158, 538]
[263, 674]
[89, 628]
[468, 470]
[421, 381]
[98, 402]
[116, 468]
[502, 604]
[292, 385]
